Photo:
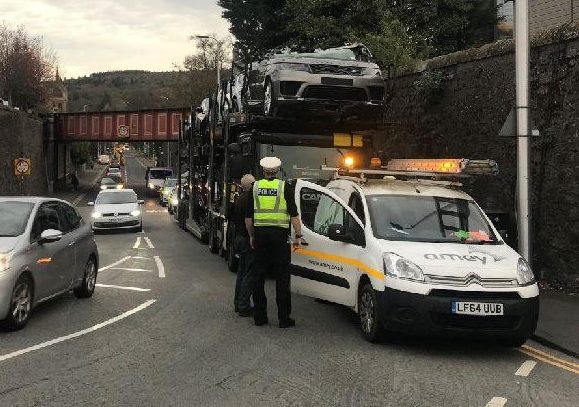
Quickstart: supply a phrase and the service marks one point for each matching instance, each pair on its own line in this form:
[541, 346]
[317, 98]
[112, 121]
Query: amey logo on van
[455, 257]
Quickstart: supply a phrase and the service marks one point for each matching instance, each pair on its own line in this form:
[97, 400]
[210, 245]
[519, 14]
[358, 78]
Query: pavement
[161, 331]
[558, 325]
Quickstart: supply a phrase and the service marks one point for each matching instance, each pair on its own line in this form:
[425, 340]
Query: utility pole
[523, 130]
[179, 186]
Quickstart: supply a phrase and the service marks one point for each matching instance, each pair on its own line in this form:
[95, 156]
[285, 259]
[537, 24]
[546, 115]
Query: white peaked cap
[270, 163]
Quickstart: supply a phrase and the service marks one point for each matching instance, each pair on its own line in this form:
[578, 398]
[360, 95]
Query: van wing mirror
[90, 204]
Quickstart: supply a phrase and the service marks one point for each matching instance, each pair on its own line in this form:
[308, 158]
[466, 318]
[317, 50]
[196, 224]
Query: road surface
[161, 331]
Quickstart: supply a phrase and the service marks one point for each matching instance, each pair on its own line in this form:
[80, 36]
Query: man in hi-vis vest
[268, 219]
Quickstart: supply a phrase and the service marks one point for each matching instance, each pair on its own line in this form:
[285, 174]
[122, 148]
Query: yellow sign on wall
[22, 166]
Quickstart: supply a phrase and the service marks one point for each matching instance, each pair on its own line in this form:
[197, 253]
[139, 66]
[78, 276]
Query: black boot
[287, 323]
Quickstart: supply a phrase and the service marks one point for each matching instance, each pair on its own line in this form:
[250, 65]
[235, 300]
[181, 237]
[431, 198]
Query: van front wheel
[370, 324]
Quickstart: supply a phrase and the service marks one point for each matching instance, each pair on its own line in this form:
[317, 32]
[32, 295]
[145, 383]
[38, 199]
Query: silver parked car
[334, 81]
[46, 249]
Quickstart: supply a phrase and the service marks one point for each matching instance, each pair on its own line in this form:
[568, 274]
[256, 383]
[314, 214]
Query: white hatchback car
[116, 209]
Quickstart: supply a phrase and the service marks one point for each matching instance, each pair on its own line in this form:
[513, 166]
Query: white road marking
[137, 243]
[160, 266]
[116, 263]
[77, 334]
[141, 258]
[526, 368]
[149, 242]
[497, 402]
[123, 287]
[129, 269]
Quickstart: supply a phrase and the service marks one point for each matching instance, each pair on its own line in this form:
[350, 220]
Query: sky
[104, 35]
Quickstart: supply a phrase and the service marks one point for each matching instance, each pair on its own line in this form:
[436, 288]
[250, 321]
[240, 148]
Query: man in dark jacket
[243, 250]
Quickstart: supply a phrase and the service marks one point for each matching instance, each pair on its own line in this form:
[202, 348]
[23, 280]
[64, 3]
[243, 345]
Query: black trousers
[244, 282]
[272, 256]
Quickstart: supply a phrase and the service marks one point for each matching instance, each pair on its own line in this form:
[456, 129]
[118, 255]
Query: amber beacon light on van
[458, 166]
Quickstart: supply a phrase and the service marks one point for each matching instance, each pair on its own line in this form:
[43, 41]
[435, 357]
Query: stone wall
[21, 136]
[455, 106]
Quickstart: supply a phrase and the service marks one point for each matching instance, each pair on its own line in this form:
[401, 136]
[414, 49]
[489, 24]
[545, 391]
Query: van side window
[357, 206]
[318, 211]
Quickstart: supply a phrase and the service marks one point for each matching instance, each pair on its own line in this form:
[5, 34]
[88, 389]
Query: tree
[445, 26]
[208, 52]
[330, 23]
[396, 31]
[24, 64]
[258, 25]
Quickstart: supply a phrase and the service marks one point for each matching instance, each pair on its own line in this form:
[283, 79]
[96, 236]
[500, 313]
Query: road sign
[22, 166]
[509, 128]
[124, 131]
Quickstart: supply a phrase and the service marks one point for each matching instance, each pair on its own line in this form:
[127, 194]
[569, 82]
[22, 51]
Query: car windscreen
[14, 217]
[160, 174]
[169, 183]
[116, 198]
[343, 54]
[113, 170]
[428, 219]
[108, 181]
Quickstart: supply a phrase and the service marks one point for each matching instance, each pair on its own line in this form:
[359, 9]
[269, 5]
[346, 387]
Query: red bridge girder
[142, 125]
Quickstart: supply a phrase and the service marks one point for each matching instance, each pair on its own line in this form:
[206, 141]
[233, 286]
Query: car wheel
[86, 288]
[269, 99]
[20, 304]
[370, 324]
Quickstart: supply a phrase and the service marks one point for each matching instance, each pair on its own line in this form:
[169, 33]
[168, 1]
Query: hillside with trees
[138, 90]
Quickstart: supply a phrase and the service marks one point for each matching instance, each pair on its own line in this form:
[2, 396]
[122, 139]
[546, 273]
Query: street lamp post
[523, 130]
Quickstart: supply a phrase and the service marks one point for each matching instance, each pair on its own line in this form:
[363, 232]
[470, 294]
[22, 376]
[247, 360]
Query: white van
[104, 159]
[412, 254]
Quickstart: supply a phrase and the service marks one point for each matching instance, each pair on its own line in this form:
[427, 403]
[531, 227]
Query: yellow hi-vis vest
[269, 204]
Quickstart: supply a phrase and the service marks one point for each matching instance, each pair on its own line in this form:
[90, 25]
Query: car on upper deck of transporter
[336, 81]
[46, 249]
[412, 255]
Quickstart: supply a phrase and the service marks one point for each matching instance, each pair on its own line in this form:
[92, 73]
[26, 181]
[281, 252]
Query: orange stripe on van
[340, 259]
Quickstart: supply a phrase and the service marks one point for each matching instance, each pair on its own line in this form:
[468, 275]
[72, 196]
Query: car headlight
[372, 71]
[525, 275]
[399, 267]
[151, 185]
[135, 212]
[294, 67]
[96, 215]
[103, 187]
[5, 261]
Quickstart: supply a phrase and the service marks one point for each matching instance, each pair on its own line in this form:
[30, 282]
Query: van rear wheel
[368, 313]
